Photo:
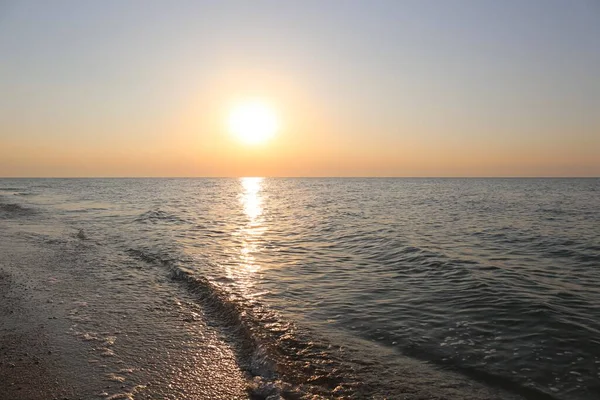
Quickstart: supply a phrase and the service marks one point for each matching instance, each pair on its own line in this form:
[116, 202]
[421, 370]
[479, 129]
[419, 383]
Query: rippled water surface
[498, 279]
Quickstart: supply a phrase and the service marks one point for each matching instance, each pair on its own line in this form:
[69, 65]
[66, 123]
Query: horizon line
[307, 177]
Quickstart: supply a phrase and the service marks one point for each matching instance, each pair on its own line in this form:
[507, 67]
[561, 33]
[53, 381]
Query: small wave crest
[15, 210]
[279, 359]
[285, 361]
[156, 216]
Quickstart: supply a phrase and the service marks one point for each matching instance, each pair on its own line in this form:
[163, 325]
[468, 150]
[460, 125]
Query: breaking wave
[284, 360]
[272, 351]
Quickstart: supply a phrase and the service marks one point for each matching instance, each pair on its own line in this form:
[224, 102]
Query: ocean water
[346, 283]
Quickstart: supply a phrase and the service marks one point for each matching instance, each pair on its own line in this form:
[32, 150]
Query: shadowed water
[497, 279]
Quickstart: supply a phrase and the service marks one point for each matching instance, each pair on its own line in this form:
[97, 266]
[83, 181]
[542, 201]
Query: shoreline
[67, 333]
[72, 329]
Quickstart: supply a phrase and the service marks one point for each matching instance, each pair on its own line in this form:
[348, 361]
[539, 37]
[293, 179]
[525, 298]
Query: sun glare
[253, 122]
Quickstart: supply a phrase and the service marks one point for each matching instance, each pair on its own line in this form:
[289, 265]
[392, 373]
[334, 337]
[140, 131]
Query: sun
[253, 121]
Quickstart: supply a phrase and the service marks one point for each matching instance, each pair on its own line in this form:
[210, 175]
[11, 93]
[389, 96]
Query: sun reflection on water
[252, 203]
[251, 199]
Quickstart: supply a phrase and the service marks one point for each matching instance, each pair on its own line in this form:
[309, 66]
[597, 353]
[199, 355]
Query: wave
[156, 216]
[284, 360]
[271, 350]
[15, 210]
[476, 373]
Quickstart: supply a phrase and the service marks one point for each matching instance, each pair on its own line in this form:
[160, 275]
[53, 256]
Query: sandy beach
[28, 368]
[67, 333]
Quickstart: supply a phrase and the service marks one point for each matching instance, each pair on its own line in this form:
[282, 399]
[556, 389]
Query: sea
[344, 282]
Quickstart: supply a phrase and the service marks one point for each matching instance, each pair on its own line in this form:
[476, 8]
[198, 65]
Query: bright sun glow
[253, 122]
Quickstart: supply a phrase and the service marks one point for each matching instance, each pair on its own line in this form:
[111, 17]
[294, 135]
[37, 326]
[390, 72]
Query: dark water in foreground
[497, 279]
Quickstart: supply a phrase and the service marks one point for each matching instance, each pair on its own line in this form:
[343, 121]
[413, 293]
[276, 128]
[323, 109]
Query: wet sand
[72, 327]
[28, 368]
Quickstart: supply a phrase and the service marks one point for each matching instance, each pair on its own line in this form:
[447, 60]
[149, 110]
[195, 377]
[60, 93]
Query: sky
[360, 88]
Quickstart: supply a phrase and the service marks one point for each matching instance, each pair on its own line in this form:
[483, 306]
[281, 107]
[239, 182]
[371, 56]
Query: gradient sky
[363, 88]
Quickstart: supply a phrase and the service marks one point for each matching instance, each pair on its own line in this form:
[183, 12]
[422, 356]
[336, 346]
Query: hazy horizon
[301, 177]
[352, 89]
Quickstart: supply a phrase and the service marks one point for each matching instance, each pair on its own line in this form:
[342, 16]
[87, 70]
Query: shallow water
[496, 279]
